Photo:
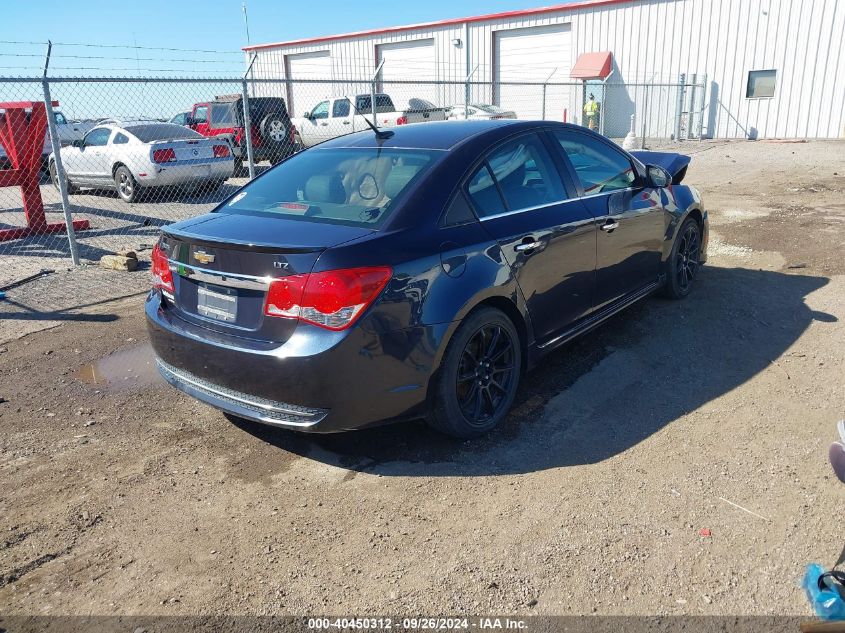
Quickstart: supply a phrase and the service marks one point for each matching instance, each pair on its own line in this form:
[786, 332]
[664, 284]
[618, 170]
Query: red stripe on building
[570, 6]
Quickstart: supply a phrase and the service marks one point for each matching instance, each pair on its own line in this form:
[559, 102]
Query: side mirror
[658, 177]
[307, 115]
[190, 121]
[78, 143]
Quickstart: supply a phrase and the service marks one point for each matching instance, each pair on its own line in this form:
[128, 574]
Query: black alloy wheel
[479, 376]
[685, 261]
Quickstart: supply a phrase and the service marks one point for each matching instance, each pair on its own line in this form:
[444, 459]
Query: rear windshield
[161, 132]
[353, 187]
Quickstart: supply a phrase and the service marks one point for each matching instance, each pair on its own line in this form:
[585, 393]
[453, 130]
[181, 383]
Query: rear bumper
[241, 404]
[164, 176]
[318, 381]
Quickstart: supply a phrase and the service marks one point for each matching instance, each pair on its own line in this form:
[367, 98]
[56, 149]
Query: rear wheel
[127, 186]
[684, 262]
[479, 376]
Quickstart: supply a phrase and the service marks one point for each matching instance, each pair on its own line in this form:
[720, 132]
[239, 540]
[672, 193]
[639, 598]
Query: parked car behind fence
[132, 156]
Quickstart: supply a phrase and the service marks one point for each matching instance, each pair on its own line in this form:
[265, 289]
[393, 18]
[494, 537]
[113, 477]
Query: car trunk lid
[222, 265]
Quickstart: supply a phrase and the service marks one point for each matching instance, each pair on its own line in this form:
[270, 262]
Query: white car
[478, 111]
[336, 116]
[131, 156]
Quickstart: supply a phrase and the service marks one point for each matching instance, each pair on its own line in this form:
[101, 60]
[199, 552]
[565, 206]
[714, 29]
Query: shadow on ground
[605, 393]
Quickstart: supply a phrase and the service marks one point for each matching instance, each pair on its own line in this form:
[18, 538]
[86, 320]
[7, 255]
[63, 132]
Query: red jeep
[272, 131]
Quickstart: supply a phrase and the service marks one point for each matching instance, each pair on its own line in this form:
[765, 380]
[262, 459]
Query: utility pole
[246, 22]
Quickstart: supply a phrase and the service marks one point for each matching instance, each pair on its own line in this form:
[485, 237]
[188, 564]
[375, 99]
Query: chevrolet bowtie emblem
[203, 258]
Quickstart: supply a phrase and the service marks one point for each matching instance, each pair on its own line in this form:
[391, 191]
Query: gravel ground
[671, 462]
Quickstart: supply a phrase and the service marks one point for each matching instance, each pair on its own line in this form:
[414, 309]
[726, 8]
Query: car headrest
[325, 188]
[398, 177]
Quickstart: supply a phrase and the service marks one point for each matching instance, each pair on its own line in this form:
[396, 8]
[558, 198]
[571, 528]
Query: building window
[761, 84]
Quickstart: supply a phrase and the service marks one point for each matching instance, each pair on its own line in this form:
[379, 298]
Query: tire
[467, 401]
[683, 263]
[54, 178]
[273, 129]
[126, 185]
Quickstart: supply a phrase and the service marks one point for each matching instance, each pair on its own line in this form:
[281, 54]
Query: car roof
[441, 135]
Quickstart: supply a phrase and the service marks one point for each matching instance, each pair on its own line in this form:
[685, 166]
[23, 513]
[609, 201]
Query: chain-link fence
[96, 166]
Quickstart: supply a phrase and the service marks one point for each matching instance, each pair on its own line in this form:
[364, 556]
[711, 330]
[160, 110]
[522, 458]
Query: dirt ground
[671, 462]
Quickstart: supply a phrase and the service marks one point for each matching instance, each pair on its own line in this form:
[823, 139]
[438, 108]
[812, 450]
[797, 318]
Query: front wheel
[478, 377]
[54, 177]
[127, 186]
[684, 261]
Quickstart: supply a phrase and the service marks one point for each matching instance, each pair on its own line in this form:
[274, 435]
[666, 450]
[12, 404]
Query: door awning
[592, 66]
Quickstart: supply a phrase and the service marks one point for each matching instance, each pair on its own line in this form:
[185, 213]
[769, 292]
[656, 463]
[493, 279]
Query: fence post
[467, 96]
[691, 117]
[56, 145]
[703, 106]
[373, 91]
[645, 116]
[604, 108]
[248, 120]
[247, 129]
[679, 107]
[545, 84]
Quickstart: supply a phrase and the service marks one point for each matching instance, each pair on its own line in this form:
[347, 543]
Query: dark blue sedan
[415, 273]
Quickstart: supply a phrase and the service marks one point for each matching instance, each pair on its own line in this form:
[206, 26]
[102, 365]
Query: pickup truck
[335, 116]
[69, 131]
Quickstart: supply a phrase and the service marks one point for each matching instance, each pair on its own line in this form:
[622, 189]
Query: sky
[104, 38]
[174, 24]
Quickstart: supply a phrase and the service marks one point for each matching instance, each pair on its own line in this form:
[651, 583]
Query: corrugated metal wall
[655, 41]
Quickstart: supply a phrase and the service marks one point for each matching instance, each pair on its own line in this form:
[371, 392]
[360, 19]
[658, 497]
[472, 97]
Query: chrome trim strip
[527, 209]
[606, 193]
[220, 278]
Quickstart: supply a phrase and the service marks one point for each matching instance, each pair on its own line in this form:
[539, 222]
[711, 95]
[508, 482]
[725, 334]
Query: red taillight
[221, 151]
[402, 120]
[162, 277]
[332, 299]
[164, 155]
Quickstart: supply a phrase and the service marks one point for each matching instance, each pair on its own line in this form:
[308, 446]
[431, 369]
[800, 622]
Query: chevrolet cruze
[415, 273]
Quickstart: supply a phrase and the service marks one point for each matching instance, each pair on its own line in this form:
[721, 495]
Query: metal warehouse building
[761, 68]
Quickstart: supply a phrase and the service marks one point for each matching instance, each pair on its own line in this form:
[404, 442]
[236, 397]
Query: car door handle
[324, 124]
[610, 225]
[526, 246]
[346, 122]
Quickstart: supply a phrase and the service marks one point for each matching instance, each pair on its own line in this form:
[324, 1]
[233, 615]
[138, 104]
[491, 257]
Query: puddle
[131, 368]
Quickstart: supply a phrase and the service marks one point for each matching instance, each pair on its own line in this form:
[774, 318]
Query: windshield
[161, 132]
[354, 187]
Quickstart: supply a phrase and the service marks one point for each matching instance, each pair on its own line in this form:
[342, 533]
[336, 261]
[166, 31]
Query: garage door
[302, 97]
[408, 61]
[531, 55]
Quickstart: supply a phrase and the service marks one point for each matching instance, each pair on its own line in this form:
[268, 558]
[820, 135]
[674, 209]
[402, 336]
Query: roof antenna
[380, 134]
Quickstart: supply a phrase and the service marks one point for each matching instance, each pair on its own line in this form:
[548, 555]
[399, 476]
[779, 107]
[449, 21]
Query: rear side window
[341, 108]
[484, 194]
[223, 114]
[353, 187]
[526, 174]
[383, 104]
[599, 167]
[201, 114]
[120, 139]
[459, 211]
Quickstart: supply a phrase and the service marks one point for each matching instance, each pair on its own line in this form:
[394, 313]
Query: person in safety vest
[592, 111]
